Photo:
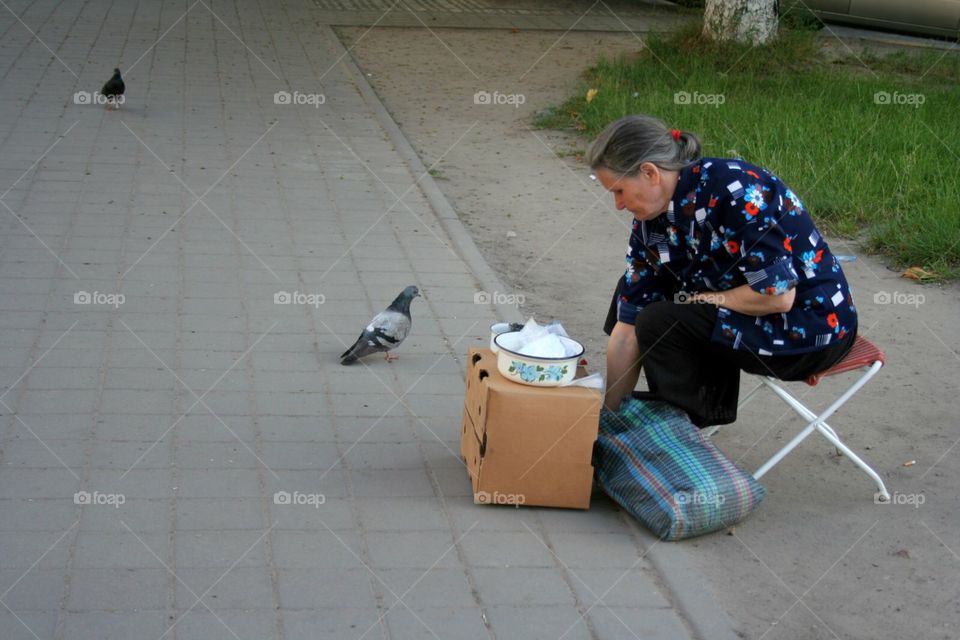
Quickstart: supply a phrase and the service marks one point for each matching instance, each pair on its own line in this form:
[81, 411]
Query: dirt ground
[819, 559]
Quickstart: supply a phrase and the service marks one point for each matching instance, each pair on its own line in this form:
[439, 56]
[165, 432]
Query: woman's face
[645, 194]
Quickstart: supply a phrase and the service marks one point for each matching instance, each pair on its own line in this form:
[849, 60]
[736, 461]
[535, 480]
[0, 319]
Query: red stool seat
[863, 354]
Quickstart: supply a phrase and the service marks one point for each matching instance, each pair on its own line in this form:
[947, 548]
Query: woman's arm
[744, 299]
[623, 364]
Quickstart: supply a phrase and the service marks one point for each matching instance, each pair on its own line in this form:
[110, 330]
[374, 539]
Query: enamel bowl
[495, 330]
[537, 372]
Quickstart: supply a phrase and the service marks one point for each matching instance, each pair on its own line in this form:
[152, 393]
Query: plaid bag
[658, 466]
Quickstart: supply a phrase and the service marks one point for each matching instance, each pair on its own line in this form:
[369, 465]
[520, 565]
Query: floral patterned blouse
[731, 223]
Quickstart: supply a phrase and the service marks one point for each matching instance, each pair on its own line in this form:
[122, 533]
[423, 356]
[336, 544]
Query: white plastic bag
[592, 381]
[540, 341]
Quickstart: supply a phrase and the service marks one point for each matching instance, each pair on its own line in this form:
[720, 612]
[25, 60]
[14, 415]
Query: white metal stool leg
[804, 411]
[818, 422]
[809, 415]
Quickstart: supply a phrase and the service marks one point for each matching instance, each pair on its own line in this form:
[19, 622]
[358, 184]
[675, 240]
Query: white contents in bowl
[548, 346]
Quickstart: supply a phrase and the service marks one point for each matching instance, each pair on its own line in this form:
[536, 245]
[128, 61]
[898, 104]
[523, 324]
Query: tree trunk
[750, 22]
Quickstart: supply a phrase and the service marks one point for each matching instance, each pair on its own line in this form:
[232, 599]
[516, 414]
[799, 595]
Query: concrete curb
[486, 277]
[688, 590]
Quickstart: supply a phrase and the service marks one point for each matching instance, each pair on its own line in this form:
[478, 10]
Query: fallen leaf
[902, 553]
[919, 273]
[591, 94]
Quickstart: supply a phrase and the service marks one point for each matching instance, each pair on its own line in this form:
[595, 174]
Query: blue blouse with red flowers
[731, 223]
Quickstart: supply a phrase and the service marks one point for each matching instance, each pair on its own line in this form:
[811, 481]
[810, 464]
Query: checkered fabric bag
[658, 466]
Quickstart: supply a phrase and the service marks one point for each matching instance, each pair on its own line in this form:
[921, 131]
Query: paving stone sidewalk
[182, 455]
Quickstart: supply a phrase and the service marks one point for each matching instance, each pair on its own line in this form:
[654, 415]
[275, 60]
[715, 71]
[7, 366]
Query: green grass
[885, 173]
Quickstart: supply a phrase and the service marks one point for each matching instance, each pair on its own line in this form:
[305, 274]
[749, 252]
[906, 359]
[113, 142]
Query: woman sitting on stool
[726, 271]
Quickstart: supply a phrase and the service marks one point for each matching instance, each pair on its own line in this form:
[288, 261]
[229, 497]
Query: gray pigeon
[113, 90]
[386, 331]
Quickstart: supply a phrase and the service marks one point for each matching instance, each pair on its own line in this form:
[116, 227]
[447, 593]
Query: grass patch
[885, 172]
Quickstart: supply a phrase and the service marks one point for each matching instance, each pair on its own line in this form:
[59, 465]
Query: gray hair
[632, 140]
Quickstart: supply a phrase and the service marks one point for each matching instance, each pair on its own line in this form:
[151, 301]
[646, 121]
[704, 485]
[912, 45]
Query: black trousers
[686, 368]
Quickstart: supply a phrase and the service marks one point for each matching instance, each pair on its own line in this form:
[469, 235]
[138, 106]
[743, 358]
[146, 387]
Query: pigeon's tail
[354, 353]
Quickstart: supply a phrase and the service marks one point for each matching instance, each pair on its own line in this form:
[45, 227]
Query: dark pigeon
[112, 89]
[386, 331]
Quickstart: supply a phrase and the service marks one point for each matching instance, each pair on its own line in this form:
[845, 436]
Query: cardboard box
[527, 445]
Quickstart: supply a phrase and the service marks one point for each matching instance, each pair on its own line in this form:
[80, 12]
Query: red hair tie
[675, 133]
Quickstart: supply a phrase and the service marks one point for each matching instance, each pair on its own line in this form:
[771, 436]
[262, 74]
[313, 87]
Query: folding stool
[864, 354]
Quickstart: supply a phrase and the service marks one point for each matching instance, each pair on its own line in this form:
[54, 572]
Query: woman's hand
[745, 300]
